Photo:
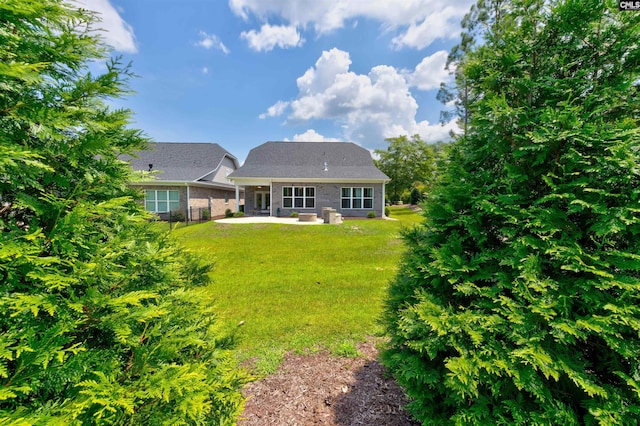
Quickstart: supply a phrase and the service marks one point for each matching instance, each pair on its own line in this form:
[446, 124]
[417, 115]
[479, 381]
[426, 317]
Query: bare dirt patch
[321, 389]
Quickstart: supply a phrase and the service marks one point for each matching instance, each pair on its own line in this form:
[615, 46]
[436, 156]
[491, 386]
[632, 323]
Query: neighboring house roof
[180, 161]
[309, 160]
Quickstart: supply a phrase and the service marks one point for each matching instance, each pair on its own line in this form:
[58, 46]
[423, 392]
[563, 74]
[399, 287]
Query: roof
[180, 161]
[309, 160]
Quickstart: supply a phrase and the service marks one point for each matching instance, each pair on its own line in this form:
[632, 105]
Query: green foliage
[228, 213]
[238, 214]
[176, 216]
[346, 349]
[205, 214]
[102, 319]
[387, 211]
[408, 160]
[293, 214]
[371, 215]
[416, 196]
[518, 301]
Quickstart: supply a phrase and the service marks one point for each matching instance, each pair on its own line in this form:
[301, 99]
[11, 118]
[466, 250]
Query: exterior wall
[327, 195]
[225, 168]
[212, 198]
[201, 198]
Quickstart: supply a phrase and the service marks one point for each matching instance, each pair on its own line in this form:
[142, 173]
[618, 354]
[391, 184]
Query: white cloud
[311, 136]
[369, 107]
[275, 110]
[114, 30]
[430, 72]
[271, 36]
[442, 24]
[205, 70]
[211, 41]
[419, 21]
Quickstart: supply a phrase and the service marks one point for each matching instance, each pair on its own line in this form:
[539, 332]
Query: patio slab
[268, 219]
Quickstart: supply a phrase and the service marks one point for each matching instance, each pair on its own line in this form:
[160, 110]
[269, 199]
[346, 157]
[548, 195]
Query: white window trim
[304, 197]
[362, 198]
[155, 207]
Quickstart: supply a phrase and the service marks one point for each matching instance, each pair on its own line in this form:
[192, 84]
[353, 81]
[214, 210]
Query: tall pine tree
[518, 301]
[102, 320]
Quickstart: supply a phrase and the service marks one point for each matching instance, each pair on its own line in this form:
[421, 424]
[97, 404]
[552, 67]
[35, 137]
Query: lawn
[300, 288]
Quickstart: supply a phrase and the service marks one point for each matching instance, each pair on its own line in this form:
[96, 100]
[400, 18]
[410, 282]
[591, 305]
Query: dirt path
[321, 389]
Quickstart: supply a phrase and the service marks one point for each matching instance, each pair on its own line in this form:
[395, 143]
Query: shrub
[518, 300]
[371, 214]
[205, 215]
[103, 320]
[293, 214]
[176, 216]
[238, 214]
[228, 213]
[387, 212]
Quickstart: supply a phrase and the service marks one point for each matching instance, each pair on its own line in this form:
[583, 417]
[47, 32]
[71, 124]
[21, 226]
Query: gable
[184, 162]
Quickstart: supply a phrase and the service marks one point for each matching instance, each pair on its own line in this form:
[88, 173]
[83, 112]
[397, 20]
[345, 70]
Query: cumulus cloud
[419, 22]
[430, 72]
[369, 107]
[211, 41]
[271, 36]
[311, 136]
[275, 110]
[442, 24]
[114, 30]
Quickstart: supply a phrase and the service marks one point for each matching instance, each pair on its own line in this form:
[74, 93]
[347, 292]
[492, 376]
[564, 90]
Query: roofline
[231, 157]
[267, 180]
[184, 183]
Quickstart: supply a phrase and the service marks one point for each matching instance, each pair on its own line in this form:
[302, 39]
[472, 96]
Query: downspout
[270, 197]
[188, 202]
[383, 196]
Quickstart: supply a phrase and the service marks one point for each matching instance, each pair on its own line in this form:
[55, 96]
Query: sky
[243, 72]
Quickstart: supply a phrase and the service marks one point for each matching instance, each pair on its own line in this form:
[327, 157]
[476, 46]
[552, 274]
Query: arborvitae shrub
[518, 301]
[102, 319]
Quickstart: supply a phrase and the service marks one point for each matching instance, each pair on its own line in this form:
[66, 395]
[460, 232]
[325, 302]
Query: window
[161, 201]
[301, 197]
[356, 198]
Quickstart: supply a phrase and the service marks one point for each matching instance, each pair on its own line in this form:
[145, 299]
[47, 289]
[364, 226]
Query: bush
[176, 216]
[228, 213]
[102, 319]
[415, 197]
[371, 215]
[293, 214]
[518, 300]
[238, 214]
[205, 215]
[387, 212]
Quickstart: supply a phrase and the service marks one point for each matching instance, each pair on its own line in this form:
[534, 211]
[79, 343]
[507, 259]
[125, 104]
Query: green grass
[300, 288]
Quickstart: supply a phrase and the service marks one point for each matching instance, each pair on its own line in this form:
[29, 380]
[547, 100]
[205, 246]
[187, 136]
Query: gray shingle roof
[307, 160]
[178, 161]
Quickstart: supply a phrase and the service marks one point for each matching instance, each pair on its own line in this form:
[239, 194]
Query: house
[304, 177]
[187, 178]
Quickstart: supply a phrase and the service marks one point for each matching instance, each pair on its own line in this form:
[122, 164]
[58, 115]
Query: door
[263, 200]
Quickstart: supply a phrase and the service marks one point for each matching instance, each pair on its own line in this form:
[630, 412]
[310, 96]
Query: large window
[301, 197]
[356, 198]
[162, 201]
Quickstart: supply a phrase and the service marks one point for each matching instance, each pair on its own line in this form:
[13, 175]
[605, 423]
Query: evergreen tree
[102, 320]
[405, 161]
[518, 301]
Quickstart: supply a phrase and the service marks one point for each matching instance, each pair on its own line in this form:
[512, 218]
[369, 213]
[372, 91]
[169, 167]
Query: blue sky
[243, 72]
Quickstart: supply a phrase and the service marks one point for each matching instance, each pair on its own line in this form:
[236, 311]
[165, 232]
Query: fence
[197, 215]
